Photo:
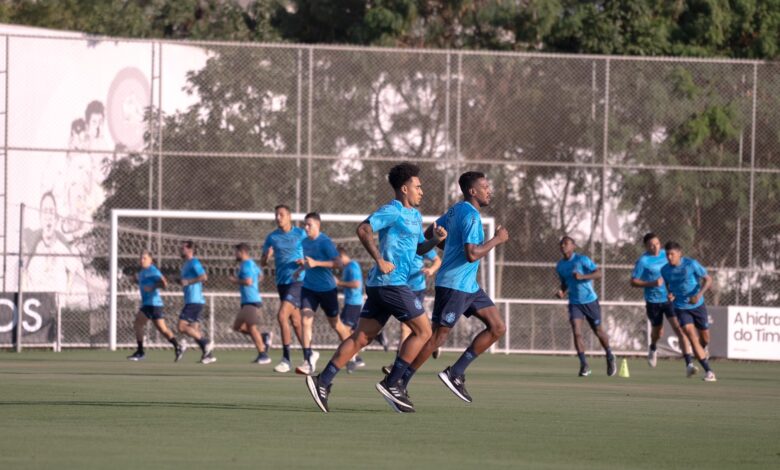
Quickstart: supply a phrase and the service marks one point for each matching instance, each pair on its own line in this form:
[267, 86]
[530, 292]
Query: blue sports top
[417, 278]
[580, 292]
[288, 249]
[683, 281]
[149, 277]
[648, 269]
[353, 296]
[400, 231]
[464, 226]
[320, 249]
[193, 293]
[250, 294]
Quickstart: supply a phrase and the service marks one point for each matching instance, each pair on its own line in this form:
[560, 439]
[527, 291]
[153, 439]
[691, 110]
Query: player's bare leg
[685, 345]
[162, 327]
[341, 329]
[579, 345]
[603, 337]
[699, 340]
[288, 314]
[139, 327]
[309, 357]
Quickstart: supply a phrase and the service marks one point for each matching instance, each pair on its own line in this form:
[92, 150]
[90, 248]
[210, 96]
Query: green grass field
[93, 409]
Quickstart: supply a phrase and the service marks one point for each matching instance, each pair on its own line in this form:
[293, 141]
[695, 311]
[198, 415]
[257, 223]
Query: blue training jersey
[320, 249]
[416, 280]
[464, 226]
[193, 293]
[580, 292]
[250, 294]
[683, 281]
[353, 296]
[149, 277]
[400, 231]
[288, 248]
[648, 269]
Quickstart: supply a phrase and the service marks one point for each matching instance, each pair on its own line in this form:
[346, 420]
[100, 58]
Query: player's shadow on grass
[307, 408]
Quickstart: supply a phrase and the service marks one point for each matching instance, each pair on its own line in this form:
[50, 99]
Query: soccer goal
[215, 234]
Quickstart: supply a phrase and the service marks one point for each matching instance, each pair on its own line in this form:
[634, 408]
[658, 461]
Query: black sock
[286, 352]
[174, 342]
[653, 347]
[202, 342]
[141, 347]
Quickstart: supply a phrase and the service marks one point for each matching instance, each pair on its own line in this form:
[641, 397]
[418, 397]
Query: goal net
[215, 234]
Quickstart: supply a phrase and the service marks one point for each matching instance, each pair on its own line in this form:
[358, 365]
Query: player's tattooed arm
[366, 235]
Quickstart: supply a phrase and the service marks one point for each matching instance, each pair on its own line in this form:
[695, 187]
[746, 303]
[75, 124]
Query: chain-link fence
[601, 148]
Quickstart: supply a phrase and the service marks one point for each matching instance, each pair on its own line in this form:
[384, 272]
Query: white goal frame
[116, 214]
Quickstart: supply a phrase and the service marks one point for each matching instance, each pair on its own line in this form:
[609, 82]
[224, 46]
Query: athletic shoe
[395, 393]
[304, 369]
[436, 353]
[386, 369]
[611, 365]
[267, 339]
[710, 377]
[262, 358]
[318, 391]
[179, 351]
[283, 366]
[351, 366]
[209, 348]
[313, 360]
[456, 384]
[691, 370]
[208, 358]
[584, 371]
[359, 362]
[652, 357]
[136, 356]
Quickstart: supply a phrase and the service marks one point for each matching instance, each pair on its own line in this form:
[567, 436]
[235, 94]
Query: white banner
[754, 333]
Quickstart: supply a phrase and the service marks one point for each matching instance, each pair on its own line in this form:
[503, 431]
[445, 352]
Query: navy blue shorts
[350, 315]
[590, 312]
[151, 312]
[290, 293]
[328, 300]
[697, 315]
[397, 301]
[450, 304]
[420, 294]
[657, 311]
[191, 313]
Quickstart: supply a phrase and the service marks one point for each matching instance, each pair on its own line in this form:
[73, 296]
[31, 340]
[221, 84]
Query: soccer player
[285, 244]
[150, 281]
[647, 275]
[248, 282]
[457, 291]
[683, 277]
[192, 278]
[352, 283]
[417, 280]
[319, 287]
[576, 273]
[400, 237]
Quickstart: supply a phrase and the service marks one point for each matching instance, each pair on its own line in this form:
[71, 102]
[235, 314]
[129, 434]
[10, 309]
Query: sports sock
[705, 363]
[688, 359]
[306, 354]
[399, 367]
[286, 352]
[202, 342]
[408, 375]
[327, 374]
[141, 346]
[609, 352]
[459, 368]
[583, 361]
[653, 347]
[174, 342]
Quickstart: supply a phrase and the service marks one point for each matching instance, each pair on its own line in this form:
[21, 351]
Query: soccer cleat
[179, 351]
[318, 391]
[456, 384]
[386, 369]
[262, 358]
[359, 362]
[396, 394]
[584, 371]
[136, 356]
[436, 353]
[283, 366]
[208, 358]
[304, 369]
[611, 365]
[652, 357]
[691, 370]
[710, 377]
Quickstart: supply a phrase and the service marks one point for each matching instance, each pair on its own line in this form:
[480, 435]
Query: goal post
[118, 214]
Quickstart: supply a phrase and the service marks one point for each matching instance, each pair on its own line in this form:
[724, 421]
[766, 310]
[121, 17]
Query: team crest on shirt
[417, 304]
[289, 298]
[450, 317]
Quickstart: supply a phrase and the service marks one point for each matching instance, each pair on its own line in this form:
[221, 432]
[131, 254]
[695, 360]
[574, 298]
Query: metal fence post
[605, 155]
[508, 333]
[58, 339]
[310, 119]
[20, 283]
[298, 132]
[212, 321]
[751, 265]
[5, 168]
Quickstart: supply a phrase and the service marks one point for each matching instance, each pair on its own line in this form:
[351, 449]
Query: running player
[319, 287]
[352, 283]
[457, 291]
[683, 277]
[285, 244]
[192, 278]
[248, 282]
[150, 281]
[400, 237]
[647, 274]
[576, 273]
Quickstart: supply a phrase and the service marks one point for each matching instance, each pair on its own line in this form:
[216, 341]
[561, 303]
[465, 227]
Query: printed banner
[754, 333]
[39, 314]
